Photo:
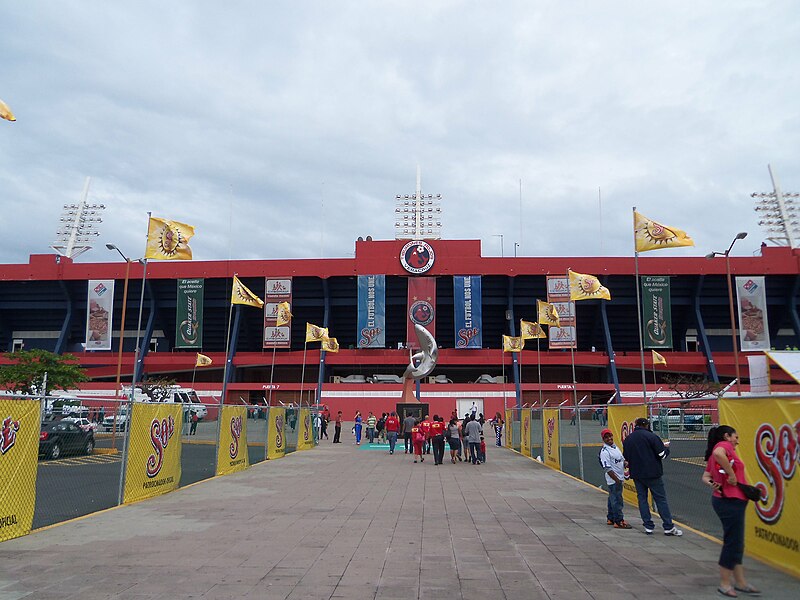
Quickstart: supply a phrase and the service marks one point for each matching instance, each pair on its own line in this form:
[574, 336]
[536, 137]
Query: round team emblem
[417, 257]
[421, 312]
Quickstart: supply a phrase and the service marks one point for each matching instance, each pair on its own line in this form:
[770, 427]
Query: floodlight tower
[78, 222]
[779, 214]
[417, 216]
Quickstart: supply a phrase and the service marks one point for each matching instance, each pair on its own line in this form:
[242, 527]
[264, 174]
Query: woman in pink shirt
[724, 470]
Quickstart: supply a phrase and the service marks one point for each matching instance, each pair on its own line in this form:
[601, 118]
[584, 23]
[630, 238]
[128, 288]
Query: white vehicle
[188, 397]
[84, 424]
[122, 420]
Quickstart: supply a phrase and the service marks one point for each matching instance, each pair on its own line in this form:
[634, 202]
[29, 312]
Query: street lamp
[726, 254]
[121, 334]
[500, 235]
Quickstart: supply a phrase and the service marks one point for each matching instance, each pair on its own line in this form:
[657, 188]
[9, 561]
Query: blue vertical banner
[467, 304]
[371, 311]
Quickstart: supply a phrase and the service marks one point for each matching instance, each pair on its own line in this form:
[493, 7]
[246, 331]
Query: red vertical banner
[421, 308]
[277, 290]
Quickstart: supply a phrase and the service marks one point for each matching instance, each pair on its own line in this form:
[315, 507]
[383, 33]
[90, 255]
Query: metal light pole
[726, 254]
[500, 235]
[516, 245]
[121, 337]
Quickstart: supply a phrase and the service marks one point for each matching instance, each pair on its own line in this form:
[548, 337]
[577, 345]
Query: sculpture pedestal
[409, 392]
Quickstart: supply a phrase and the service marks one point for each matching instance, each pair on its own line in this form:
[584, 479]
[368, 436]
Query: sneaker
[622, 525]
[415, 462]
[674, 531]
[648, 531]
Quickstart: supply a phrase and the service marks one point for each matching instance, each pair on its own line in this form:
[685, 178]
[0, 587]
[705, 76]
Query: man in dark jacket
[644, 452]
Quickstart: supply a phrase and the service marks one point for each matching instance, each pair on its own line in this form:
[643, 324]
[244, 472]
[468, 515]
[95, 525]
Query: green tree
[24, 372]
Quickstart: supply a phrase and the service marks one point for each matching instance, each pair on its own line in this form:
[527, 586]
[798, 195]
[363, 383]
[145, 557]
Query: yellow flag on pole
[658, 359]
[203, 360]
[650, 235]
[315, 333]
[330, 344]
[530, 331]
[241, 295]
[586, 287]
[513, 344]
[284, 315]
[5, 112]
[168, 240]
[548, 315]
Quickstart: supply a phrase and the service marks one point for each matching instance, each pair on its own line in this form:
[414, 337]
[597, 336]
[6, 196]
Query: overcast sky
[285, 129]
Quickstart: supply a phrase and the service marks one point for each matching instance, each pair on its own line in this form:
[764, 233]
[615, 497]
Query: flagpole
[224, 376]
[572, 345]
[303, 370]
[539, 367]
[639, 306]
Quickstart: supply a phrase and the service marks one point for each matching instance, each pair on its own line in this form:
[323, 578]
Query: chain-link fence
[94, 454]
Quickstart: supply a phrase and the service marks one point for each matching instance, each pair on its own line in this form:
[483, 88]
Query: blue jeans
[358, 433]
[392, 435]
[731, 514]
[371, 434]
[615, 502]
[656, 487]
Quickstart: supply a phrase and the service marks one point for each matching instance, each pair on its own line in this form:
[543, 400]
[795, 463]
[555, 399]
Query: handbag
[750, 492]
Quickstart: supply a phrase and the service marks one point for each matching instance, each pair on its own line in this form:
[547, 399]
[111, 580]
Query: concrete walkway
[351, 523]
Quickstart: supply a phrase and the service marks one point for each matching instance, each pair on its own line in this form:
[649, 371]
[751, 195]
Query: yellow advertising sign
[509, 428]
[154, 451]
[551, 450]
[276, 440]
[525, 433]
[305, 437]
[19, 453]
[768, 430]
[621, 418]
[232, 451]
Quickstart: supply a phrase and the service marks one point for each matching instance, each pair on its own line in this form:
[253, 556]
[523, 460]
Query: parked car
[121, 420]
[64, 437]
[84, 424]
[676, 418]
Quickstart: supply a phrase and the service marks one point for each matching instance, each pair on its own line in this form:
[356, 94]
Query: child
[482, 452]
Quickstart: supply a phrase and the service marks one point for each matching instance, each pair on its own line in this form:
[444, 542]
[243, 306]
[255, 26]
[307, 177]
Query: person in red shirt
[418, 439]
[392, 428]
[337, 431]
[437, 439]
[426, 429]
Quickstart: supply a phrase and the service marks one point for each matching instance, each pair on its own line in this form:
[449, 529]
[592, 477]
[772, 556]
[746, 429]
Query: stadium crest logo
[417, 257]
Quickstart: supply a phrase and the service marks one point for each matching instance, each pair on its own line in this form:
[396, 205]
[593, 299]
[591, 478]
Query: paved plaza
[345, 522]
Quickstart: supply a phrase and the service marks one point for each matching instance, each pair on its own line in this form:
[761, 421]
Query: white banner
[99, 309]
[751, 300]
[759, 374]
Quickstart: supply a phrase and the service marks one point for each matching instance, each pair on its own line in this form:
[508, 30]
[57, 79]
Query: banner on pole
[232, 452]
[550, 434]
[468, 313]
[657, 312]
[189, 314]
[751, 301]
[421, 308]
[371, 311]
[99, 309]
[19, 454]
[276, 439]
[276, 291]
[525, 433]
[768, 429]
[621, 418]
[305, 437]
[564, 336]
[154, 450]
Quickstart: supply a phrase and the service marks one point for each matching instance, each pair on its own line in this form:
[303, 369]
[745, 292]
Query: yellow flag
[283, 316]
[314, 333]
[5, 112]
[241, 295]
[658, 359]
[330, 344]
[168, 240]
[650, 235]
[586, 287]
[548, 315]
[513, 344]
[530, 331]
[203, 360]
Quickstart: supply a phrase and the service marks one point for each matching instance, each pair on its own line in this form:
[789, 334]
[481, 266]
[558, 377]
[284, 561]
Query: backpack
[380, 424]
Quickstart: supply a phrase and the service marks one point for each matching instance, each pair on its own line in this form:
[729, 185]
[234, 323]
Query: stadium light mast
[78, 226]
[417, 216]
[779, 213]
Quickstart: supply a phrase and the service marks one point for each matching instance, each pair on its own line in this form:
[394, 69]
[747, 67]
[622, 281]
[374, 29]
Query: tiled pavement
[340, 522]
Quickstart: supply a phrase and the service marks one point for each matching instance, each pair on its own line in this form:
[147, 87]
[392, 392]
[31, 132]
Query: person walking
[193, 428]
[408, 424]
[371, 422]
[498, 430]
[324, 426]
[380, 428]
[418, 437]
[724, 471]
[337, 428]
[464, 443]
[392, 427]
[437, 439]
[473, 434]
[426, 429]
[613, 464]
[454, 440]
[645, 452]
[357, 427]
